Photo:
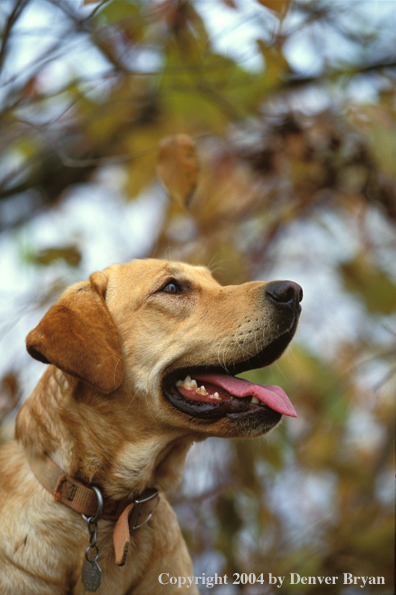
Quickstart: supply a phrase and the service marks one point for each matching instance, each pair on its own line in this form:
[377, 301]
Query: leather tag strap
[134, 516]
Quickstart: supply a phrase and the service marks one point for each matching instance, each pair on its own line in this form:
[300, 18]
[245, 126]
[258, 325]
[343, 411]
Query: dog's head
[169, 340]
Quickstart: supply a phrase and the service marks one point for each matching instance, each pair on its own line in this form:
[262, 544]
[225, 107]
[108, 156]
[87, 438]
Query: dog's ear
[79, 336]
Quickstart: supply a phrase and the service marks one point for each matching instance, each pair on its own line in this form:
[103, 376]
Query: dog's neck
[86, 434]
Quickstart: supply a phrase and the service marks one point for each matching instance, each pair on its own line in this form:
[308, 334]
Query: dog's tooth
[216, 396]
[189, 383]
[254, 400]
[202, 390]
[186, 381]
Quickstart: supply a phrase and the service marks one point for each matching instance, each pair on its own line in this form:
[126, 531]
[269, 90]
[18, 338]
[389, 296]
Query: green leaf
[371, 284]
[228, 515]
[117, 10]
[70, 254]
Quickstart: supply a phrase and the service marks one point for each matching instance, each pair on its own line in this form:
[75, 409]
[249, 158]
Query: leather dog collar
[129, 514]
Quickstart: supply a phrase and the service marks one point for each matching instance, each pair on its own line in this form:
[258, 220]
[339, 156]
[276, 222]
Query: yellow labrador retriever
[143, 358]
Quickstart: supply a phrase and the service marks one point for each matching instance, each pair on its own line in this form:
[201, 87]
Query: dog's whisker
[218, 266]
[149, 406]
[242, 349]
[220, 352]
[119, 361]
[130, 403]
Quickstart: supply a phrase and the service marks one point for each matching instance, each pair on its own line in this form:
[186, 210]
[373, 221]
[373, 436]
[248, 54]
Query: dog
[142, 362]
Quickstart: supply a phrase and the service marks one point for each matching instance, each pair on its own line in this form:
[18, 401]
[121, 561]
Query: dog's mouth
[212, 392]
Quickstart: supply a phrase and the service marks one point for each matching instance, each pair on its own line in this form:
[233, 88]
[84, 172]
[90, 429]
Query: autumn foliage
[257, 167]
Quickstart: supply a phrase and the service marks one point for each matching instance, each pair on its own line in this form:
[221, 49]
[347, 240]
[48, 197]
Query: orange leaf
[178, 167]
[31, 89]
[279, 6]
[229, 3]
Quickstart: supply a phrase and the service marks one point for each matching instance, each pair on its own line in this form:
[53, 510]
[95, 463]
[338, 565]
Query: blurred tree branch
[10, 22]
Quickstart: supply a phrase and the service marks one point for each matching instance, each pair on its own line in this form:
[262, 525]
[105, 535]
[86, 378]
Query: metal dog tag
[91, 575]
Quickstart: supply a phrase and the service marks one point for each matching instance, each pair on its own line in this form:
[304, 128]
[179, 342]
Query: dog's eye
[172, 287]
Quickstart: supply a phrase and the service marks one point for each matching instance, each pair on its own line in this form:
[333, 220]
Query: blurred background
[256, 137]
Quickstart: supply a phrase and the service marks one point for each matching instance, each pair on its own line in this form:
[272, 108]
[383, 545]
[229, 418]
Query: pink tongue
[273, 396]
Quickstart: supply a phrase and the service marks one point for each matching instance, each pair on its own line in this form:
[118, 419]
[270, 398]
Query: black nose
[286, 293]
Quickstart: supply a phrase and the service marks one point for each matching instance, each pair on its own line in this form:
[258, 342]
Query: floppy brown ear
[79, 336]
